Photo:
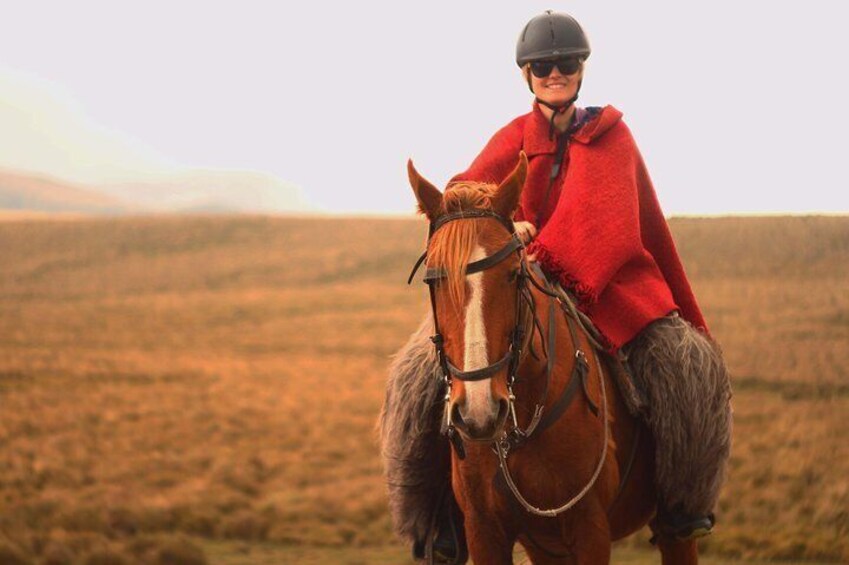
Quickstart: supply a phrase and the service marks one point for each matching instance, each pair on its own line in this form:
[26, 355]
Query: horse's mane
[452, 245]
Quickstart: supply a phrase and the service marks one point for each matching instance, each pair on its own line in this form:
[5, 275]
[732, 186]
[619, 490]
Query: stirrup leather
[445, 542]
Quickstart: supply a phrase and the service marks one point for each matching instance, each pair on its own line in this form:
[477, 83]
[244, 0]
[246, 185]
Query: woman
[591, 218]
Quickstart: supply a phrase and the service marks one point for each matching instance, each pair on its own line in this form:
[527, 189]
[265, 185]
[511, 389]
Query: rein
[520, 337]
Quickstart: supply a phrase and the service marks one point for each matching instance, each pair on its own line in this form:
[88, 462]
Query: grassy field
[204, 390]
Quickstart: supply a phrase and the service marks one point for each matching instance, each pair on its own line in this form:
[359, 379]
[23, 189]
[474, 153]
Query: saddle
[616, 365]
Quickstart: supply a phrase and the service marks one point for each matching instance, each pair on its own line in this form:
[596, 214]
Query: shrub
[123, 521]
[57, 553]
[180, 551]
[246, 525]
[107, 557]
[11, 555]
[200, 521]
[83, 519]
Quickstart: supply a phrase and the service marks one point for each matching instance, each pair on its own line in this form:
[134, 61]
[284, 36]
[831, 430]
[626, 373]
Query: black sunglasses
[569, 66]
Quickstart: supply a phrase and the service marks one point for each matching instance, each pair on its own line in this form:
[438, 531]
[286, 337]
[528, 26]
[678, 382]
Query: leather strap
[482, 373]
[560, 152]
[632, 456]
[566, 397]
[433, 274]
[580, 369]
[471, 213]
[418, 264]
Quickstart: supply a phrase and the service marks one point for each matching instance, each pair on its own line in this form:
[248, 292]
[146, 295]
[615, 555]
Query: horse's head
[476, 304]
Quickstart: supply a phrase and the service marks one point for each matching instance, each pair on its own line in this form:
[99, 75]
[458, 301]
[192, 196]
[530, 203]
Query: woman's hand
[525, 230]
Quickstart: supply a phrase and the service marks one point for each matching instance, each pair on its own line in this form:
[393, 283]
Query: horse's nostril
[455, 413]
[476, 428]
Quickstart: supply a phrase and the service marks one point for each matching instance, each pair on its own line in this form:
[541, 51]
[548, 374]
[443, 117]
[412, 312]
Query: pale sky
[738, 107]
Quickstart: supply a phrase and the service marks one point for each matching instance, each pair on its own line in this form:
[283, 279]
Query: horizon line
[9, 214]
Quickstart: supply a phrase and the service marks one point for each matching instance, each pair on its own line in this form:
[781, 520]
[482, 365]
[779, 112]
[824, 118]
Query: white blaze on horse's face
[480, 407]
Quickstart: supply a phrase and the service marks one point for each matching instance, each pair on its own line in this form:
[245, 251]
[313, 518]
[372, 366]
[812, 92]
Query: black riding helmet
[552, 35]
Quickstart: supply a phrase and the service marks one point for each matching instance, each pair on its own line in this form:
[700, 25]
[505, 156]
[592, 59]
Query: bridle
[519, 336]
[434, 275]
[519, 339]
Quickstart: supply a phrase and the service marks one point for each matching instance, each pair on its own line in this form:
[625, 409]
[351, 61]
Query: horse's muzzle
[473, 430]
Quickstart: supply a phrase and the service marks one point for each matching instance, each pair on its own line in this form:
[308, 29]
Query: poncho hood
[598, 121]
[597, 126]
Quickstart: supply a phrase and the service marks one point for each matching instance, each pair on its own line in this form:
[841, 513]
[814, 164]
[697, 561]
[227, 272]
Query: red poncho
[602, 233]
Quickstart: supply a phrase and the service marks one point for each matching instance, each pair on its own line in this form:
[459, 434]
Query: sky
[737, 107]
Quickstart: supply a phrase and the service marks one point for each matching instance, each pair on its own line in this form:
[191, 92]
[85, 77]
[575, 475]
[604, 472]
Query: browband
[435, 274]
[515, 243]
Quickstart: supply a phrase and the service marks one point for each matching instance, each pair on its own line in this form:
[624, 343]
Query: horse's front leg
[679, 553]
[488, 540]
[490, 532]
[583, 543]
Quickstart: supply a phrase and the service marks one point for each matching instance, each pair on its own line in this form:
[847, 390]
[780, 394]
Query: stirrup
[442, 554]
[445, 543]
[676, 527]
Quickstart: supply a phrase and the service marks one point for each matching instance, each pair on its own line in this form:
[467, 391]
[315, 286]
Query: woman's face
[556, 88]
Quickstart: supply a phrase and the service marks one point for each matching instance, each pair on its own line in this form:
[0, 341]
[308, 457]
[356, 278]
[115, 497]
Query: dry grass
[217, 379]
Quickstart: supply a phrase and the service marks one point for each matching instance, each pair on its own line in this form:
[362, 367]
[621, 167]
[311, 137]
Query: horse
[545, 452]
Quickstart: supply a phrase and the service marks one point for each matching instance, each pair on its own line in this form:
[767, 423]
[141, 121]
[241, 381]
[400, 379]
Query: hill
[212, 383]
[183, 192]
[30, 192]
[210, 191]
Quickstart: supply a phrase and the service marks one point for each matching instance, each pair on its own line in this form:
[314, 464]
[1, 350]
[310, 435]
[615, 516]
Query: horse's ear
[506, 198]
[428, 196]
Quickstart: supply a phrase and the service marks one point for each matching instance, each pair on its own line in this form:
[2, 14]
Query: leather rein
[520, 338]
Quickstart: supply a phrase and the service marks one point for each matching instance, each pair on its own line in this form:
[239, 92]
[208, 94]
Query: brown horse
[527, 391]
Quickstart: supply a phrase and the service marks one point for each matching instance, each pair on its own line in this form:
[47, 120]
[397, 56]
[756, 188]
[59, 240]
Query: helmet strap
[561, 109]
